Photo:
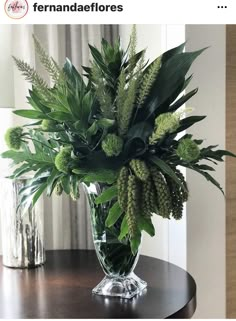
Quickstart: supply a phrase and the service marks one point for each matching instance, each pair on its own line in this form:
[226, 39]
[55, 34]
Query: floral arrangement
[117, 125]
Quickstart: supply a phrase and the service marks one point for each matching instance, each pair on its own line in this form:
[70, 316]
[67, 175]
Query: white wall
[206, 206]
[6, 71]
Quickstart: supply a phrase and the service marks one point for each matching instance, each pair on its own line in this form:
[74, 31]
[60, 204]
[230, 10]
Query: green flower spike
[164, 124]
[140, 169]
[112, 145]
[122, 187]
[48, 124]
[63, 159]
[13, 137]
[188, 150]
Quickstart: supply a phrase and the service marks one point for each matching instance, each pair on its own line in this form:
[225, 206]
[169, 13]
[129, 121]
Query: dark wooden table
[62, 289]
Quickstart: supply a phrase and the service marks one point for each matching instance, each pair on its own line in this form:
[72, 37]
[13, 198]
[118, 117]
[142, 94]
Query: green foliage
[114, 214]
[112, 145]
[13, 137]
[118, 128]
[107, 195]
[188, 150]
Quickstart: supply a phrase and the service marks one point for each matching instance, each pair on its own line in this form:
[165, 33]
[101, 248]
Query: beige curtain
[67, 223]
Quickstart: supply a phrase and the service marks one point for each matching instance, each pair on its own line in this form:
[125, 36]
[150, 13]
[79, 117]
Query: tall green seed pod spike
[163, 193]
[122, 187]
[184, 191]
[149, 205]
[133, 205]
[140, 169]
[176, 198]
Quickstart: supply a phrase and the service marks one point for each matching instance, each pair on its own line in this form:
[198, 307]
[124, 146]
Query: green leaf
[99, 60]
[145, 224]
[166, 56]
[102, 176]
[204, 167]
[31, 114]
[74, 78]
[105, 123]
[208, 177]
[124, 229]
[74, 106]
[169, 79]
[52, 179]
[39, 193]
[107, 195]
[137, 136]
[183, 100]
[65, 181]
[113, 215]
[135, 243]
[61, 116]
[165, 168]
[188, 122]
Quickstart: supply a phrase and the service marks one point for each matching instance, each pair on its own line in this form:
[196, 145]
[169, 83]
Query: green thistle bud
[63, 159]
[13, 137]
[112, 145]
[188, 150]
[133, 205]
[48, 124]
[58, 189]
[164, 124]
[163, 193]
[140, 169]
[122, 187]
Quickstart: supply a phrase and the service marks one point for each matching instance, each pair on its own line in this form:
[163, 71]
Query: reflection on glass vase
[22, 231]
[115, 257]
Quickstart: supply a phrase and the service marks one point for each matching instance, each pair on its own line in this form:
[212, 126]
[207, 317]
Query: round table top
[62, 289]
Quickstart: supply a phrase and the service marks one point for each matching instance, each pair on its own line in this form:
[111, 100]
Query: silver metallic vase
[22, 233]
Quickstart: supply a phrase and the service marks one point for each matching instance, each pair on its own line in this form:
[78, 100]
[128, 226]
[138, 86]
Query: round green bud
[13, 137]
[164, 124]
[48, 124]
[188, 150]
[63, 159]
[112, 145]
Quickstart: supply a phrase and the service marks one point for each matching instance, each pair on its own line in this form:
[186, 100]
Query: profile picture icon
[16, 9]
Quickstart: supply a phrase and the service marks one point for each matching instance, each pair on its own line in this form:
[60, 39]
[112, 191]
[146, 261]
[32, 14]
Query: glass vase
[22, 231]
[115, 256]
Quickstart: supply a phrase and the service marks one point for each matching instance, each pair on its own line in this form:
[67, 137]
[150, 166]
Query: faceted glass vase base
[124, 287]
